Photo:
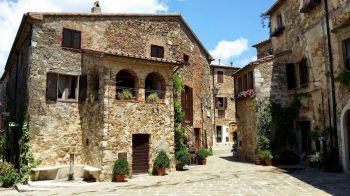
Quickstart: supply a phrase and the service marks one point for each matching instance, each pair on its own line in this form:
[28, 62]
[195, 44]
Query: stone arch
[127, 80]
[155, 83]
[345, 137]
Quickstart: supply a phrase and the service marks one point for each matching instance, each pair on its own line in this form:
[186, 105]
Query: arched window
[126, 85]
[155, 84]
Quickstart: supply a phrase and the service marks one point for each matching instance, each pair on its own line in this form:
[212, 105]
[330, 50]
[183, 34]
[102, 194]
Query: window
[245, 78]
[250, 80]
[65, 87]
[186, 59]
[220, 77]
[157, 51]
[221, 103]
[218, 134]
[308, 5]
[346, 46]
[154, 84]
[291, 82]
[279, 21]
[240, 86]
[303, 71]
[71, 38]
[187, 103]
[126, 85]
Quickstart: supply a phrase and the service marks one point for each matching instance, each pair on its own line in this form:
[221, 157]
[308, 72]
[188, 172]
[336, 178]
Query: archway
[126, 81]
[155, 83]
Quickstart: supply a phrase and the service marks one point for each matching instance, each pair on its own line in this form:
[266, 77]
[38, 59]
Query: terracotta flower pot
[268, 162]
[161, 171]
[202, 161]
[119, 177]
[258, 162]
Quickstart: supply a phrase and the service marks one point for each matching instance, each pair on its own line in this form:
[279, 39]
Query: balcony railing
[126, 93]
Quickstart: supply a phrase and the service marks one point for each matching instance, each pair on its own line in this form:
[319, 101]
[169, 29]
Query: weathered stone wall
[225, 89]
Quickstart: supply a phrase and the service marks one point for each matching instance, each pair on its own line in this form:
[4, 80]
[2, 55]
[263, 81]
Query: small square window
[71, 38]
[67, 87]
[157, 51]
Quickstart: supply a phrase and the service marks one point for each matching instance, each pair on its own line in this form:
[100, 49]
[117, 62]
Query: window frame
[220, 77]
[303, 73]
[66, 89]
[71, 41]
[240, 84]
[159, 51]
[346, 58]
[245, 82]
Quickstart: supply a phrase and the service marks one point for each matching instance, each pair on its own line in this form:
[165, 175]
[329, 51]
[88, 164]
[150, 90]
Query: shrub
[162, 160]
[153, 98]
[8, 175]
[211, 153]
[264, 155]
[126, 94]
[121, 166]
[183, 157]
[287, 157]
[202, 153]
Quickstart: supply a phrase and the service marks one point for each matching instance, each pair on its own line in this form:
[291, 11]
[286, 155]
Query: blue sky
[227, 28]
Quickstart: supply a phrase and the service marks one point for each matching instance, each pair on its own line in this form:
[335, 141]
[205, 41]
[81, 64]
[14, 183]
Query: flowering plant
[315, 158]
[245, 94]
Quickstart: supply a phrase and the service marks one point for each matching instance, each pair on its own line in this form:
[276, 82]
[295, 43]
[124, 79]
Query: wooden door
[197, 138]
[140, 151]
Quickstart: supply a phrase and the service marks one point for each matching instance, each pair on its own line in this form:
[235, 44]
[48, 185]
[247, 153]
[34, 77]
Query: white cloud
[12, 12]
[226, 50]
[245, 61]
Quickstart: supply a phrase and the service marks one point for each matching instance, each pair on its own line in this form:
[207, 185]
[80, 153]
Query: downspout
[334, 142]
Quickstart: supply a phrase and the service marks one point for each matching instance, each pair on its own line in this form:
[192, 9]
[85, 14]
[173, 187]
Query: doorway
[218, 134]
[197, 138]
[305, 131]
[140, 152]
[347, 120]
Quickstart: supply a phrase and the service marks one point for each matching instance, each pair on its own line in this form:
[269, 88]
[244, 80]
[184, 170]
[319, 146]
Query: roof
[133, 56]
[274, 7]
[257, 62]
[225, 66]
[30, 16]
[261, 43]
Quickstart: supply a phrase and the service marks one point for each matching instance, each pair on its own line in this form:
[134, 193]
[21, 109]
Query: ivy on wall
[344, 78]
[179, 115]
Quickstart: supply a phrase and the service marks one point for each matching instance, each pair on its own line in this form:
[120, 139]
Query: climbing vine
[344, 78]
[264, 124]
[179, 115]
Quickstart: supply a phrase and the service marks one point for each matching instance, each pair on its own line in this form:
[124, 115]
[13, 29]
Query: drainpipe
[334, 141]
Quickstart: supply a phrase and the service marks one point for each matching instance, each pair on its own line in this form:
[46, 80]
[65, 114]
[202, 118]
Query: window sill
[277, 32]
[67, 101]
[71, 49]
[131, 101]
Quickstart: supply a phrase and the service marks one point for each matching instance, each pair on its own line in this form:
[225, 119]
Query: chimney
[96, 9]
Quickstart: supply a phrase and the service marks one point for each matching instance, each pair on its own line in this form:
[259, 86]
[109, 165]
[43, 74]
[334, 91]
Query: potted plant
[202, 155]
[126, 94]
[267, 157]
[120, 169]
[161, 162]
[153, 98]
[260, 158]
[183, 158]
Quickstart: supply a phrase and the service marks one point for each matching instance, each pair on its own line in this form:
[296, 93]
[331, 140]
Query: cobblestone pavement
[222, 176]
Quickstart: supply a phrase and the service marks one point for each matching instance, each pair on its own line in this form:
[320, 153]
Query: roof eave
[274, 7]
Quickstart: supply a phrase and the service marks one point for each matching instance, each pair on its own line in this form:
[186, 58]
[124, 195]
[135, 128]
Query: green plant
[202, 153]
[344, 77]
[121, 166]
[126, 94]
[153, 98]
[179, 138]
[211, 153]
[8, 175]
[265, 155]
[183, 157]
[162, 160]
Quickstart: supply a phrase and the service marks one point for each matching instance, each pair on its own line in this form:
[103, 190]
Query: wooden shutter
[160, 52]
[225, 103]
[51, 86]
[66, 35]
[220, 77]
[250, 80]
[183, 100]
[82, 87]
[303, 72]
[190, 105]
[76, 39]
[216, 102]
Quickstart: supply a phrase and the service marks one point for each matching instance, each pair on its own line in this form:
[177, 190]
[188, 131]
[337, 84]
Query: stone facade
[97, 129]
[224, 118]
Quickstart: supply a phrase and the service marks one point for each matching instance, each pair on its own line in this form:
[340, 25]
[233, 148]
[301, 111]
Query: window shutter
[291, 82]
[66, 38]
[82, 87]
[225, 103]
[51, 86]
[190, 104]
[183, 100]
[76, 40]
[160, 52]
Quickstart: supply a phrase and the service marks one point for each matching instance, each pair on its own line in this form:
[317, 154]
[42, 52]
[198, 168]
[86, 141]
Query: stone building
[310, 44]
[251, 82]
[224, 116]
[83, 83]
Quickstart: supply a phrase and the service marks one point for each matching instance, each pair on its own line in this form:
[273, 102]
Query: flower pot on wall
[202, 161]
[119, 178]
[161, 171]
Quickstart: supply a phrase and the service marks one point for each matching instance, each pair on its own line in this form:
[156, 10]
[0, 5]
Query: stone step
[27, 188]
[51, 184]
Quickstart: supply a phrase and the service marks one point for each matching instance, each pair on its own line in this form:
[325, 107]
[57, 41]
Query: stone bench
[61, 172]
